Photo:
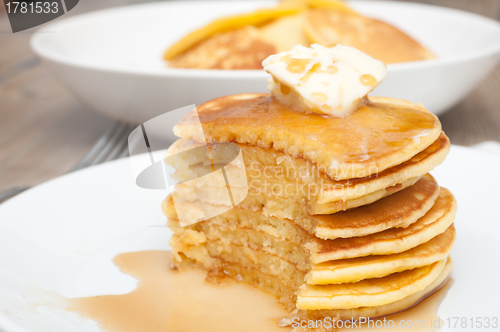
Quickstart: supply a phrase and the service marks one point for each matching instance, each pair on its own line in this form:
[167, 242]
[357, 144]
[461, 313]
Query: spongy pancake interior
[356, 269]
[397, 210]
[284, 239]
[370, 292]
[384, 133]
[393, 240]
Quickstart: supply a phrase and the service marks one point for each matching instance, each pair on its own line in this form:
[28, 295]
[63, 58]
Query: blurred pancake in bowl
[243, 41]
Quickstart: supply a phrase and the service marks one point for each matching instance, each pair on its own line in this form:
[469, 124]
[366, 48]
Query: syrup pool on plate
[167, 300]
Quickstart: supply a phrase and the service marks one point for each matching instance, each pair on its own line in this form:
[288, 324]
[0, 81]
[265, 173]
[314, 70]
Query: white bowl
[112, 59]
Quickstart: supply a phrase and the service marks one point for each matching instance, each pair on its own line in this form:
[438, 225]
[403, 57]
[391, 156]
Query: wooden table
[45, 131]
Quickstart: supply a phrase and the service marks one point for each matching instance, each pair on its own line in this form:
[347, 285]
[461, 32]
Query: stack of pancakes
[336, 217]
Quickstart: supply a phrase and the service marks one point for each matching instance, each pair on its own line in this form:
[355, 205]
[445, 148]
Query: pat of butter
[325, 80]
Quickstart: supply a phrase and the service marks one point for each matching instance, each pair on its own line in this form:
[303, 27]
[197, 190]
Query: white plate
[61, 237]
[112, 59]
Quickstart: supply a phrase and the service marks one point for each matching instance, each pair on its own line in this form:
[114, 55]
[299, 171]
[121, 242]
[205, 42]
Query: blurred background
[45, 132]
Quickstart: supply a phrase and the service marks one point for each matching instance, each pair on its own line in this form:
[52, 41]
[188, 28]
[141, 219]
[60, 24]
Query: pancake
[228, 23]
[393, 240]
[384, 133]
[342, 205]
[356, 269]
[398, 210]
[268, 172]
[383, 310]
[285, 33]
[370, 292]
[374, 37]
[242, 48]
[275, 206]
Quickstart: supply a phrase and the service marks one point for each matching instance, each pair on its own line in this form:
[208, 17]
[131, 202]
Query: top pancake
[266, 168]
[384, 133]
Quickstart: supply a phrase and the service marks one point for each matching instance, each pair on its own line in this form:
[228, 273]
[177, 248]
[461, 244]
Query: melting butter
[325, 80]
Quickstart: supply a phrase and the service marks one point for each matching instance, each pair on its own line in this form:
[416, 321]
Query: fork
[112, 145]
